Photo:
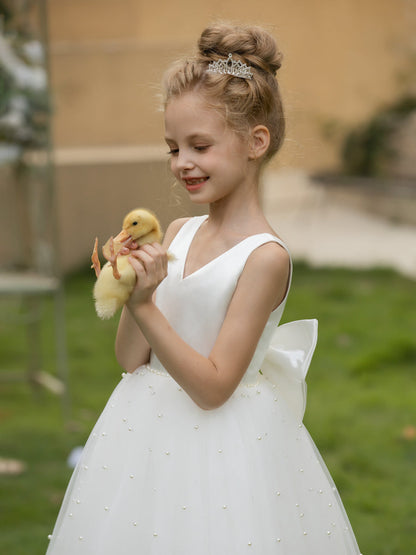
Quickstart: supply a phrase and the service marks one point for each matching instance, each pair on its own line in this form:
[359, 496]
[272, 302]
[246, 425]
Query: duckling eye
[134, 223]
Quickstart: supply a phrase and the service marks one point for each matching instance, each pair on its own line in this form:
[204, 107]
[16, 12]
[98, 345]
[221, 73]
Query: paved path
[322, 231]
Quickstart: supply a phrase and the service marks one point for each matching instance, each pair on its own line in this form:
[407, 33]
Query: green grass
[361, 396]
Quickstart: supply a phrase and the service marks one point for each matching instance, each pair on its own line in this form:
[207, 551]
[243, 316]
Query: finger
[154, 250]
[138, 266]
[149, 248]
[158, 253]
[145, 259]
[154, 266]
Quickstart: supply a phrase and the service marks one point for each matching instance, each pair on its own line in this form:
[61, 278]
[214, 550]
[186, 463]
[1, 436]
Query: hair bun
[255, 45]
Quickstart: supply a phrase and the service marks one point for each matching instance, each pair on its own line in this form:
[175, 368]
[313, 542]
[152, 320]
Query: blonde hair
[243, 102]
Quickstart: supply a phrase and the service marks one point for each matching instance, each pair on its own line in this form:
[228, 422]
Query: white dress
[161, 476]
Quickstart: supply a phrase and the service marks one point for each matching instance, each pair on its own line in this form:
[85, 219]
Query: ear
[259, 142]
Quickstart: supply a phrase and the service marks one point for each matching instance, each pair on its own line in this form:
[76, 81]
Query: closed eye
[173, 151]
[201, 148]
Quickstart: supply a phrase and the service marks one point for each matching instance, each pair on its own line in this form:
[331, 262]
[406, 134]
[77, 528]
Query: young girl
[201, 448]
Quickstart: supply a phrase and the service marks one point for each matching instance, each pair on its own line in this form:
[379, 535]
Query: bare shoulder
[271, 258]
[268, 266]
[172, 230]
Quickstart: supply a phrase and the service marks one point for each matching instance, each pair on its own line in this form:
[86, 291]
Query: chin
[200, 200]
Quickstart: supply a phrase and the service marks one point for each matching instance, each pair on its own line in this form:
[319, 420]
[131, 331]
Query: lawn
[361, 404]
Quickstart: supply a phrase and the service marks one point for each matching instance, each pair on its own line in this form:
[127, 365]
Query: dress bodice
[196, 305]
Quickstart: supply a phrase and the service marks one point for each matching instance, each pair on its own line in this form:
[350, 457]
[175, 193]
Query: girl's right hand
[150, 263]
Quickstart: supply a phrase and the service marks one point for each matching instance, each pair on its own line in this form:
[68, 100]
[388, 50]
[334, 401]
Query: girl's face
[207, 157]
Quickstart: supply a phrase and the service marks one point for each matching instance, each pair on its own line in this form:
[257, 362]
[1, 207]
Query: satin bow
[287, 361]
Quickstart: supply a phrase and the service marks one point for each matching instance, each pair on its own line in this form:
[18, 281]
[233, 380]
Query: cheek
[173, 166]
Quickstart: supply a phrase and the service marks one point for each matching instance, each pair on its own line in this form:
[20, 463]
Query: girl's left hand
[150, 263]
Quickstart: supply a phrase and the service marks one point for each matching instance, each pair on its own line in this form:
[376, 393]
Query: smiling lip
[194, 184]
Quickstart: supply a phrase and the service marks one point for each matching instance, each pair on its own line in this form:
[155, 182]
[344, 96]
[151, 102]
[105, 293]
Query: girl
[201, 448]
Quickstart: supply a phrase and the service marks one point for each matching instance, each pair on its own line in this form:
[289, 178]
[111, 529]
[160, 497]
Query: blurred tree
[25, 146]
[373, 148]
[24, 104]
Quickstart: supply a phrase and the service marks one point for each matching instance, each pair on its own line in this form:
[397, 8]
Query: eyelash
[174, 151]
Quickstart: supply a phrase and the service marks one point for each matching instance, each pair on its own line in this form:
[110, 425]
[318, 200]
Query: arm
[210, 381]
[131, 347]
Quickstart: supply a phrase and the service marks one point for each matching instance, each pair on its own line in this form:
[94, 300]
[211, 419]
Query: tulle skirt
[159, 475]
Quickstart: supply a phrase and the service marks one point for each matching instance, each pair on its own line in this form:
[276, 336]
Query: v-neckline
[219, 256]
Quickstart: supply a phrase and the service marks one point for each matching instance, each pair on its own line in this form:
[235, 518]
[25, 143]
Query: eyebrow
[192, 137]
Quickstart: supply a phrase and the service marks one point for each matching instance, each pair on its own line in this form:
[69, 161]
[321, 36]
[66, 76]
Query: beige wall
[343, 58]
[94, 195]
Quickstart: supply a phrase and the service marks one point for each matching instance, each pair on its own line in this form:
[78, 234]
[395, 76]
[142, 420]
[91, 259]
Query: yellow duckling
[117, 279]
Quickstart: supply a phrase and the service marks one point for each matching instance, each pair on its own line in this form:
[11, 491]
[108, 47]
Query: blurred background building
[346, 63]
[342, 61]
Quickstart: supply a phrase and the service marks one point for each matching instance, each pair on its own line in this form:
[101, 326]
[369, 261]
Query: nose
[184, 160]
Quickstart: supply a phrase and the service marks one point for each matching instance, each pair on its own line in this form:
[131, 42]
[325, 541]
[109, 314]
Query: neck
[238, 212]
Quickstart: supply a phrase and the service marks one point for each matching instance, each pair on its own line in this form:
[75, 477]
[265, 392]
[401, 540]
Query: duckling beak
[122, 236]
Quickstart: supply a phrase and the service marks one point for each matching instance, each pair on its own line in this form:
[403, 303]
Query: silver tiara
[229, 66]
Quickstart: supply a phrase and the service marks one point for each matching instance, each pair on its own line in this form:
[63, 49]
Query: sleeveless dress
[161, 476]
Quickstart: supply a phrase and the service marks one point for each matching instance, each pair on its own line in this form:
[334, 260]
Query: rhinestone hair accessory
[229, 66]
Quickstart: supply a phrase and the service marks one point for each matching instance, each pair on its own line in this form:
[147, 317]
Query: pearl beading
[145, 368]
[331, 529]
